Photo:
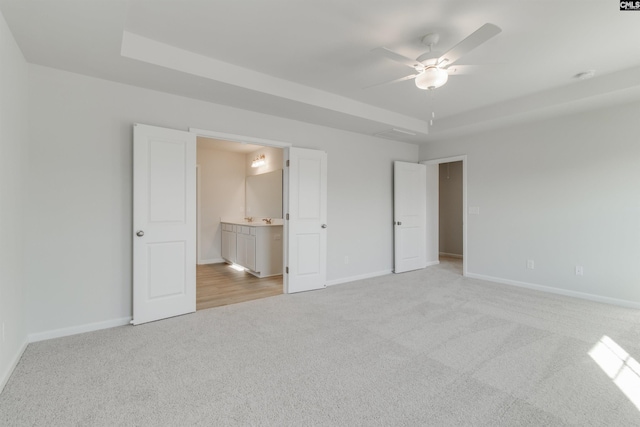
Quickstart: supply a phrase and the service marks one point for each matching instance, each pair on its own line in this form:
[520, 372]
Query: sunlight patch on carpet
[623, 369]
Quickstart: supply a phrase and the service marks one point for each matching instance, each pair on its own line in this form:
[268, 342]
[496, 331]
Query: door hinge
[287, 270]
[288, 163]
[287, 217]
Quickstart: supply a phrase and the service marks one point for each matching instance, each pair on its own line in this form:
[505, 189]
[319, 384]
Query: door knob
[399, 223]
[140, 233]
[324, 226]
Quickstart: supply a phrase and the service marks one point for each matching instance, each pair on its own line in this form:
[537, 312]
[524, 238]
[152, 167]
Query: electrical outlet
[530, 264]
[346, 259]
[579, 270]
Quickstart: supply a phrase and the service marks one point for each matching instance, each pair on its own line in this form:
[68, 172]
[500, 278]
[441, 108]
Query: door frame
[242, 139]
[465, 212]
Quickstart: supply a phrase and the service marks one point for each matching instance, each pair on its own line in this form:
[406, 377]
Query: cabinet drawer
[245, 230]
[252, 231]
[227, 227]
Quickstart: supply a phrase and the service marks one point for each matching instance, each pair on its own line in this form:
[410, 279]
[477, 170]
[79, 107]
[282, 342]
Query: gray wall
[13, 190]
[450, 208]
[79, 238]
[562, 192]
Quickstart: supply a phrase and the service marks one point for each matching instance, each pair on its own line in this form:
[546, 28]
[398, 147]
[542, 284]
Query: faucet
[248, 218]
[267, 220]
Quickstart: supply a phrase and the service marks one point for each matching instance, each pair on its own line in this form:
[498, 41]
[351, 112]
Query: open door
[306, 220]
[164, 223]
[410, 215]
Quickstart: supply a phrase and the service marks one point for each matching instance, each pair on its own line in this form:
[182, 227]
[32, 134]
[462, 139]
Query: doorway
[165, 220]
[239, 186]
[450, 210]
[447, 211]
[450, 216]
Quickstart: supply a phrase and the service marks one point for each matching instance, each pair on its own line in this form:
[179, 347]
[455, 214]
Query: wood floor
[219, 284]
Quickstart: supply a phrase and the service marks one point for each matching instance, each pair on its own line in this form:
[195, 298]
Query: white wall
[13, 166]
[221, 195]
[561, 192]
[450, 208]
[79, 237]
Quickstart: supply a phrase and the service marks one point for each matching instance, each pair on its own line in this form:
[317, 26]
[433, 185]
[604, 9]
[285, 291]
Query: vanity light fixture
[258, 161]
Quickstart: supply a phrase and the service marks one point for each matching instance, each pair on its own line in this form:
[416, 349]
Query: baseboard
[564, 292]
[89, 327]
[211, 261]
[430, 263]
[360, 277]
[450, 255]
[4, 379]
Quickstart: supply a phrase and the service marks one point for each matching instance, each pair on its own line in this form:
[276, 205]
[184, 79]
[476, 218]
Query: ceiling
[312, 60]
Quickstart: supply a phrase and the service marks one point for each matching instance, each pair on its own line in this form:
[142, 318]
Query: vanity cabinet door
[250, 252]
[246, 248]
[228, 244]
[241, 250]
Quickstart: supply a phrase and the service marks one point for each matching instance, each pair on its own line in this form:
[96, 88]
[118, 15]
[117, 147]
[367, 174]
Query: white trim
[198, 215]
[359, 277]
[240, 138]
[4, 379]
[450, 255]
[430, 263]
[285, 222]
[73, 330]
[558, 291]
[459, 158]
[211, 261]
[463, 159]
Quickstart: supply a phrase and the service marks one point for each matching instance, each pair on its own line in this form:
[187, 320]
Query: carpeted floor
[427, 348]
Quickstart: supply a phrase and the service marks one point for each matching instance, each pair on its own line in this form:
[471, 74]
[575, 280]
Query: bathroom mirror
[264, 195]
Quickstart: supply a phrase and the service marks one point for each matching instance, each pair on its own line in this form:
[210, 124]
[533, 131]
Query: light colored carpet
[421, 348]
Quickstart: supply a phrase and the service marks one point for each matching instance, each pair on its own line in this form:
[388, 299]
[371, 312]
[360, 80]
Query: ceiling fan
[432, 71]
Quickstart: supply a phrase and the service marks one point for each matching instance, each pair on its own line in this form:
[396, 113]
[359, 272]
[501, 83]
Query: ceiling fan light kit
[431, 78]
[432, 70]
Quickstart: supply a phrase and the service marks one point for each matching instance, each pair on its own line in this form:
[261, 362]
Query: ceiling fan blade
[401, 79]
[456, 70]
[389, 54]
[474, 40]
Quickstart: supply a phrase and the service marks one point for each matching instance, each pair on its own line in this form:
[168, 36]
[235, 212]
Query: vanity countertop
[275, 222]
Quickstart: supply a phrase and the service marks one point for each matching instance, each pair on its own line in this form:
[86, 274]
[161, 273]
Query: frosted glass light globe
[432, 78]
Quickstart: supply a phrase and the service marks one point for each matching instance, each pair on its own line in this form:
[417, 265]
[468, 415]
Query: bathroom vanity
[256, 246]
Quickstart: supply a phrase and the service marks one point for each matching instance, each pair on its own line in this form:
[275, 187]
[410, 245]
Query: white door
[164, 223]
[409, 212]
[306, 227]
